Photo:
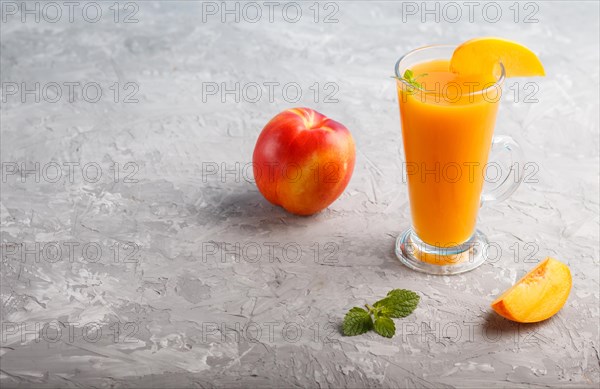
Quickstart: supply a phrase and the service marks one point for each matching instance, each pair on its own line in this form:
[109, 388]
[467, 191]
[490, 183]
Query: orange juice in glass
[447, 130]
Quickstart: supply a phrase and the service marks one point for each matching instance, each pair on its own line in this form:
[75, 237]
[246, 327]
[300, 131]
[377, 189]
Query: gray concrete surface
[151, 260]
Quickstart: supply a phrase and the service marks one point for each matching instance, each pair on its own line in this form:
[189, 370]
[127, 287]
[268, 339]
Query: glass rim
[498, 83]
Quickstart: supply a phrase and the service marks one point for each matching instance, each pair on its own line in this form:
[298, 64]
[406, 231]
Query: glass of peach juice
[447, 131]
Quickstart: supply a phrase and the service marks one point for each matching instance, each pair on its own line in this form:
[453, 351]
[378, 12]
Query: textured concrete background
[150, 259]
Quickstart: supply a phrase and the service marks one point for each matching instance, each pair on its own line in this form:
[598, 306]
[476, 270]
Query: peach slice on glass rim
[538, 295]
[482, 56]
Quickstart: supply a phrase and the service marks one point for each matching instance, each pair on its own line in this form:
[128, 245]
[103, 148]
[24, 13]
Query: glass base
[423, 257]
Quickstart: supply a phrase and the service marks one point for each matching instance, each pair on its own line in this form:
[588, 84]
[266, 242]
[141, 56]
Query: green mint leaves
[411, 79]
[398, 303]
[385, 326]
[357, 321]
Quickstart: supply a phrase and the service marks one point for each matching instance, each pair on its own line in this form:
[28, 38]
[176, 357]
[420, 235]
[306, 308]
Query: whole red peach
[303, 160]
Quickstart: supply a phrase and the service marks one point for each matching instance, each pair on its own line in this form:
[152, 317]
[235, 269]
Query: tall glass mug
[447, 132]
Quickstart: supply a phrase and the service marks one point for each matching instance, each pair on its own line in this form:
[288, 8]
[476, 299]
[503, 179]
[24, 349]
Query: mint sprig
[410, 78]
[398, 303]
[357, 321]
[384, 326]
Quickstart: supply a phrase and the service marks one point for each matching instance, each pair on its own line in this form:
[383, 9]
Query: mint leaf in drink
[409, 77]
[398, 303]
[384, 326]
[357, 321]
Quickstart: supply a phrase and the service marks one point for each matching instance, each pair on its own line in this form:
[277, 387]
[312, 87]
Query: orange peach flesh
[538, 295]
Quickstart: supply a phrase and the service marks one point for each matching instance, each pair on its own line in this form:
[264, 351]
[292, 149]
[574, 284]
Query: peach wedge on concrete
[538, 295]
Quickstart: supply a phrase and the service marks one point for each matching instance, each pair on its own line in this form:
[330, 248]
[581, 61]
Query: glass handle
[504, 173]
